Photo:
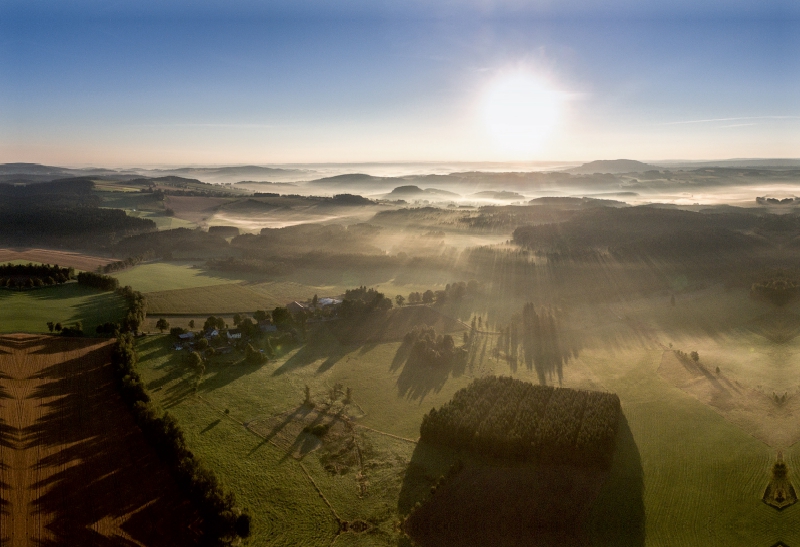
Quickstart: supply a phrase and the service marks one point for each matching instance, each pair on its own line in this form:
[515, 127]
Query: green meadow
[29, 311]
[166, 276]
[691, 477]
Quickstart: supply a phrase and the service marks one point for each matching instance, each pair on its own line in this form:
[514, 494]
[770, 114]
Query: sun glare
[521, 111]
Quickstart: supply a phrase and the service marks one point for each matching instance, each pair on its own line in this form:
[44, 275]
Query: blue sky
[123, 83]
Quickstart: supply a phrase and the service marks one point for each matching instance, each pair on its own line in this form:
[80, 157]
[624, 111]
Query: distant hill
[262, 184]
[350, 178]
[575, 202]
[416, 191]
[233, 174]
[761, 163]
[42, 173]
[612, 166]
[500, 196]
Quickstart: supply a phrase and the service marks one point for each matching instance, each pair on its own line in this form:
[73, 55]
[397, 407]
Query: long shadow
[618, 515]
[418, 378]
[309, 354]
[220, 376]
[95, 466]
[508, 504]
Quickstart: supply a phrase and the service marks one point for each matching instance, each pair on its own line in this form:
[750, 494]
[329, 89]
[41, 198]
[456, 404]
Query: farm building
[296, 308]
[267, 326]
[234, 334]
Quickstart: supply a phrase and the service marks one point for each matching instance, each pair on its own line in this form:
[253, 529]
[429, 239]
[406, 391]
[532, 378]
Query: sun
[521, 111]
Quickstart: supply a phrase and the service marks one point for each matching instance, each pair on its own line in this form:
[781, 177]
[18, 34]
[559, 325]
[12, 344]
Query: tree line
[452, 291]
[119, 265]
[780, 290]
[98, 281]
[26, 276]
[361, 301]
[508, 418]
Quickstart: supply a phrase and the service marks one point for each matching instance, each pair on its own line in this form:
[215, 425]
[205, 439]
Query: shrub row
[119, 265]
[98, 281]
[222, 522]
[508, 418]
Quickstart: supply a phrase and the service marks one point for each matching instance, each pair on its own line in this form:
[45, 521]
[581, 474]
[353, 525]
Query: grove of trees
[431, 349]
[507, 418]
[22, 276]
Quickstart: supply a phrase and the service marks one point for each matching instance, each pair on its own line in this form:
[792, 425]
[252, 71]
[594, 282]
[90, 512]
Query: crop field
[694, 474]
[76, 470]
[29, 311]
[64, 259]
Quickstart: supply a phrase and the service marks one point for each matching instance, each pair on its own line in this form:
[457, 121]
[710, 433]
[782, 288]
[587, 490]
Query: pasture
[29, 311]
[167, 276]
[700, 475]
[76, 470]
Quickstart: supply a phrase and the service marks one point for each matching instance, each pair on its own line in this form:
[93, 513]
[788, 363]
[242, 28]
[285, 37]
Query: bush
[318, 430]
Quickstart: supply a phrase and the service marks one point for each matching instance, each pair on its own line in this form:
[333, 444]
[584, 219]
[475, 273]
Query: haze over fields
[400, 273]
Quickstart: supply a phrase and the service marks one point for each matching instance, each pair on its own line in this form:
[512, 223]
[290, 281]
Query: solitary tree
[191, 323]
[400, 299]
[162, 324]
[50, 326]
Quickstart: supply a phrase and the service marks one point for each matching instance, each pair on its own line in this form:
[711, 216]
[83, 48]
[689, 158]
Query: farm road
[75, 469]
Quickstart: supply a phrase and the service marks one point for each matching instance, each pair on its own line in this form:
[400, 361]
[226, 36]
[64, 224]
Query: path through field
[75, 469]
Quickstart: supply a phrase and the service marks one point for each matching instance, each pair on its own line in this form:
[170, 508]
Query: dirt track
[75, 470]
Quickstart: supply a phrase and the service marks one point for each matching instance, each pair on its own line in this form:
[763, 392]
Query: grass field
[29, 311]
[702, 476]
[76, 470]
[167, 276]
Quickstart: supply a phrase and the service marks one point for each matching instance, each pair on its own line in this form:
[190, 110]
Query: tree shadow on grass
[512, 504]
[309, 354]
[418, 378]
[218, 375]
[174, 368]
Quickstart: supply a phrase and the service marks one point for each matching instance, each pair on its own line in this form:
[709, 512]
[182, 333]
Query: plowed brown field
[75, 469]
[64, 259]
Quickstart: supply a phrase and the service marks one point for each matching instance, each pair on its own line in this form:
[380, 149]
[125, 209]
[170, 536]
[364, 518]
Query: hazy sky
[209, 82]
